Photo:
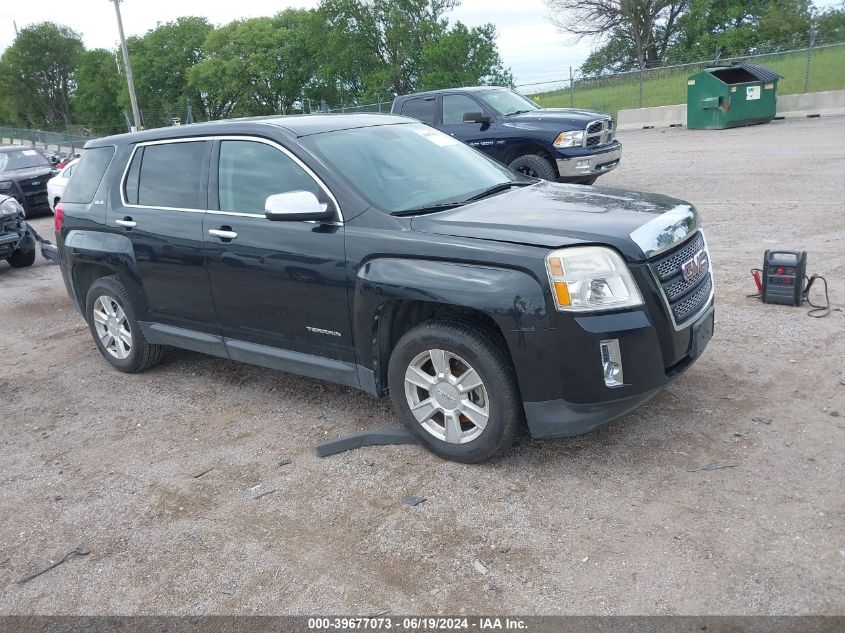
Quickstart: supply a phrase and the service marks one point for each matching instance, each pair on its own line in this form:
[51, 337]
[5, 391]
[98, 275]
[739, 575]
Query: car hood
[561, 119]
[552, 215]
[26, 173]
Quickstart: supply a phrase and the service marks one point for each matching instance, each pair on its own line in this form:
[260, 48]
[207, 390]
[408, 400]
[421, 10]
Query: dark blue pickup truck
[560, 144]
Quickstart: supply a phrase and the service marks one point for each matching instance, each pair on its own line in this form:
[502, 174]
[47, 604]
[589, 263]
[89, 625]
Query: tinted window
[455, 106]
[88, 174]
[171, 175]
[420, 109]
[250, 172]
[130, 185]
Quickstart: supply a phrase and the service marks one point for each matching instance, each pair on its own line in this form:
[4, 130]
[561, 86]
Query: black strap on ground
[77, 551]
[376, 437]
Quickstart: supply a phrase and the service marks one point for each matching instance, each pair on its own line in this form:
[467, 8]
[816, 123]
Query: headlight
[10, 208]
[575, 138]
[589, 279]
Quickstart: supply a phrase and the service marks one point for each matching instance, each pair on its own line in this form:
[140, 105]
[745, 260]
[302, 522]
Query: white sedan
[56, 185]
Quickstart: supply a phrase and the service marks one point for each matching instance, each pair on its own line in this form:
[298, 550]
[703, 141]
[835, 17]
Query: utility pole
[15, 24]
[131, 84]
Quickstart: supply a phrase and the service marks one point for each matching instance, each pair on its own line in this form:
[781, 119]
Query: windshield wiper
[502, 186]
[518, 112]
[428, 208]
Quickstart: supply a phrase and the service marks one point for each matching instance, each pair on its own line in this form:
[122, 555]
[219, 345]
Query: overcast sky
[528, 43]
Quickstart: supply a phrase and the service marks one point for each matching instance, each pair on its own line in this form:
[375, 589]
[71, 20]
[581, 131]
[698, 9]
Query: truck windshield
[507, 102]
[22, 159]
[409, 167]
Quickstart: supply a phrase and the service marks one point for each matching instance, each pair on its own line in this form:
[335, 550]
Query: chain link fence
[817, 67]
[812, 69]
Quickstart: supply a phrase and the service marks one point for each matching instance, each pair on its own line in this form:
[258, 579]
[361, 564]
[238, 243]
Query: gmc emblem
[692, 267]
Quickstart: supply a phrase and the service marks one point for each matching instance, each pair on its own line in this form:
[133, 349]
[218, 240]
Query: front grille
[30, 185]
[599, 133]
[685, 297]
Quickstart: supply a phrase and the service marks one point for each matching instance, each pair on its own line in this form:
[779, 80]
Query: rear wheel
[535, 166]
[22, 259]
[454, 389]
[115, 329]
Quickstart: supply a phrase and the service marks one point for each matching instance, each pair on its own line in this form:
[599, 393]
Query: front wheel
[454, 388]
[115, 329]
[534, 166]
[21, 258]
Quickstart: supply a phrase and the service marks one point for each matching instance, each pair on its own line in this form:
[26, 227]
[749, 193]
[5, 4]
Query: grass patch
[669, 86]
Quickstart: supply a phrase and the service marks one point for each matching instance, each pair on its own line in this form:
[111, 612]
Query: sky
[527, 41]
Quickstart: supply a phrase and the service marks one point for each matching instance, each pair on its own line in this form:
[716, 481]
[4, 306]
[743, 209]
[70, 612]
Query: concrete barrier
[828, 103]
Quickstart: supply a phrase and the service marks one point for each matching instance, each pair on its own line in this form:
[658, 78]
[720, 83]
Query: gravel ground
[615, 521]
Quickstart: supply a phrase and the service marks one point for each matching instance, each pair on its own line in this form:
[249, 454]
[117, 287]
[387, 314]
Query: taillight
[59, 213]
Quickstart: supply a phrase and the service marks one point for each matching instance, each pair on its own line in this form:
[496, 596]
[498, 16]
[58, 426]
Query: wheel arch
[521, 149]
[390, 298]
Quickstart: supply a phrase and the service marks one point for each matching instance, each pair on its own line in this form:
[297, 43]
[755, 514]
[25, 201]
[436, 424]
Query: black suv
[561, 144]
[380, 253]
[24, 173]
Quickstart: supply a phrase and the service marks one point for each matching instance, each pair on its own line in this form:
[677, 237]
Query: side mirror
[476, 117]
[295, 205]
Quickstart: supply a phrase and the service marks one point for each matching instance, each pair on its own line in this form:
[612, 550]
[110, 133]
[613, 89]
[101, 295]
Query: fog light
[582, 164]
[611, 363]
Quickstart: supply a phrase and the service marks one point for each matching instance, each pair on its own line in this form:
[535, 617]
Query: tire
[21, 259]
[534, 166]
[448, 425]
[108, 298]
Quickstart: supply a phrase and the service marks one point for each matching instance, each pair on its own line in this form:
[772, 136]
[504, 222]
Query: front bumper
[589, 165]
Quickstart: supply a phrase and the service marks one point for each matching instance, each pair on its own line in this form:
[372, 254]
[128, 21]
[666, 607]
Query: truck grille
[31, 185]
[685, 297]
[599, 133]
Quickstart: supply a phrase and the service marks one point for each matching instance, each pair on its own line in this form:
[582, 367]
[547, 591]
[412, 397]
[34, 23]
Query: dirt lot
[611, 522]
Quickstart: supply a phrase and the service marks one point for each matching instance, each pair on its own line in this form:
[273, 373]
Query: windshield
[507, 102]
[404, 167]
[22, 159]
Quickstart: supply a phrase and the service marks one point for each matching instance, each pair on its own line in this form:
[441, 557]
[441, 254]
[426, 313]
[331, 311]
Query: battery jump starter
[782, 281]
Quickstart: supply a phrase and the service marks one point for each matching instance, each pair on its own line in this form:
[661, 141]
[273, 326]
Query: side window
[250, 172]
[89, 173]
[421, 109]
[130, 185]
[170, 175]
[69, 171]
[454, 107]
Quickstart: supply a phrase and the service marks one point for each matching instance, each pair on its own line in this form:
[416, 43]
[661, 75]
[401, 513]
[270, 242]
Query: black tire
[141, 355]
[482, 351]
[534, 166]
[21, 258]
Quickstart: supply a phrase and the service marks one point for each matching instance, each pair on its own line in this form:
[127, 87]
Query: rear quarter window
[421, 109]
[88, 175]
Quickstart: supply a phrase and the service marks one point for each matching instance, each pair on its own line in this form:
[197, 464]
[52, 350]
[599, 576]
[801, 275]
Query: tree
[36, 75]
[98, 86]
[160, 62]
[463, 57]
[830, 26]
[646, 26]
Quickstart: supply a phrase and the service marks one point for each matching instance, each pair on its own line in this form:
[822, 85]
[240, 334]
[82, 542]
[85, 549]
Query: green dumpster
[728, 96]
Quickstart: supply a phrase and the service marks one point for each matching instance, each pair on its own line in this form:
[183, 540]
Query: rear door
[480, 135]
[424, 109]
[279, 287]
[161, 207]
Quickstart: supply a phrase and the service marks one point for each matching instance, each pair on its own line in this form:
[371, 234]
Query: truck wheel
[115, 329]
[534, 166]
[21, 258]
[454, 389]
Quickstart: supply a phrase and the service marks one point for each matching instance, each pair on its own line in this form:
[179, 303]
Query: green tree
[98, 86]
[830, 25]
[161, 59]
[36, 75]
[463, 57]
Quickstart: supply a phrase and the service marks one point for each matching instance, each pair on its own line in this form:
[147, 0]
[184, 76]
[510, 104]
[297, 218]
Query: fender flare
[514, 299]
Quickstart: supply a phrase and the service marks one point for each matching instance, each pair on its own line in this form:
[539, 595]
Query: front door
[481, 136]
[160, 209]
[277, 285]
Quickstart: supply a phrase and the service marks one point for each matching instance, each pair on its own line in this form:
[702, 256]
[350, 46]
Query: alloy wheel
[112, 327]
[447, 396]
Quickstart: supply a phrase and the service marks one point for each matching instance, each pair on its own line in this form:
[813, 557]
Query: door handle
[127, 223]
[224, 233]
